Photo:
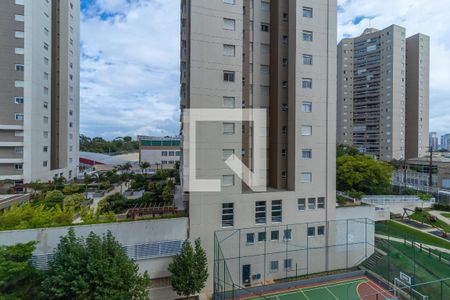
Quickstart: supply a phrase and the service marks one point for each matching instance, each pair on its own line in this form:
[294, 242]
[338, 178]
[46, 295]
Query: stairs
[372, 261]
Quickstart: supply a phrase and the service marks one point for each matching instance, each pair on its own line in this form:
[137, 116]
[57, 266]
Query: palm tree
[144, 166]
[36, 186]
[6, 182]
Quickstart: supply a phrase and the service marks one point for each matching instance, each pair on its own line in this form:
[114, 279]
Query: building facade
[39, 89]
[434, 140]
[273, 55]
[383, 109]
[445, 142]
[159, 151]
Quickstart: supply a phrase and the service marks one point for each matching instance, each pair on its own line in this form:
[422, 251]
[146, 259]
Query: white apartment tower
[39, 89]
[383, 93]
[277, 55]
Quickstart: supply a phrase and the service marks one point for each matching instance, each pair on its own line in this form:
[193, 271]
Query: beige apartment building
[383, 93]
[39, 89]
[274, 55]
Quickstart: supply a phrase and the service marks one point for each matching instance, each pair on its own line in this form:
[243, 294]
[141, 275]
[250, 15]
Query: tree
[74, 201]
[18, 278]
[346, 150]
[144, 166]
[95, 267]
[53, 198]
[189, 270]
[363, 174]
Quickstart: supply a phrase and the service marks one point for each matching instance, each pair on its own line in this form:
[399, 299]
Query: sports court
[348, 289]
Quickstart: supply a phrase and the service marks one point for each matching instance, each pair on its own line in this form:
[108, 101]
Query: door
[246, 271]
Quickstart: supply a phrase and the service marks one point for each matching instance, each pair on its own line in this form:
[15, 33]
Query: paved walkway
[438, 214]
[117, 189]
[385, 237]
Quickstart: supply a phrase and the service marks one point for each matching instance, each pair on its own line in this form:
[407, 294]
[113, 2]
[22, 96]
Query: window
[45, 46]
[284, 130]
[229, 102]
[19, 51]
[18, 166]
[260, 212]
[306, 177]
[307, 12]
[307, 36]
[307, 83]
[301, 204]
[227, 214]
[274, 235]
[45, 61]
[164, 153]
[321, 230]
[284, 62]
[321, 202]
[171, 153]
[18, 117]
[229, 1]
[229, 50]
[46, 32]
[45, 104]
[311, 203]
[20, 2]
[45, 134]
[45, 149]
[70, 112]
[227, 180]
[306, 130]
[277, 209]
[265, 6]
[226, 153]
[306, 154]
[274, 266]
[228, 76]
[307, 59]
[265, 27]
[285, 17]
[45, 90]
[18, 133]
[228, 128]
[288, 264]
[19, 83]
[164, 162]
[19, 34]
[250, 238]
[265, 48]
[371, 48]
[262, 236]
[45, 120]
[19, 150]
[265, 69]
[178, 153]
[229, 24]
[285, 39]
[306, 107]
[44, 163]
[287, 234]
[46, 76]
[311, 231]
[284, 84]
[18, 100]
[20, 18]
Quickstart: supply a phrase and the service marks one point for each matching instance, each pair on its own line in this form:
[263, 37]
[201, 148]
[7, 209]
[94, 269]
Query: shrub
[54, 198]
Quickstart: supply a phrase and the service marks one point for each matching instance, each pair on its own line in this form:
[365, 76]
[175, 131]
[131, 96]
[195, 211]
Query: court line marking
[378, 289]
[326, 288]
[304, 294]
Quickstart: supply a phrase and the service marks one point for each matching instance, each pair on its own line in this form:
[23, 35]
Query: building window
[19, 150]
[178, 153]
[19, 100]
[287, 234]
[19, 67]
[284, 130]
[250, 238]
[46, 120]
[301, 204]
[265, 69]
[18, 117]
[227, 180]
[171, 153]
[277, 211]
[229, 50]
[18, 166]
[19, 34]
[321, 202]
[260, 212]
[311, 231]
[274, 266]
[321, 230]
[284, 62]
[306, 107]
[285, 39]
[307, 83]
[265, 27]
[227, 153]
[261, 236]
[228, 128]
[307, 12]
[20, 18]
[46, 32]
[45, 149]
[45, 104]
[311, 203]
[227, 215]
[285, 17]
[44, 163]
[46, 61]
[306, 154]
[265, 6]
[288, 264]
[229, 102]
[45, 134]
[275, 235]
[229, 76]
[45, 46]
[307, 59]
[19, 84]
[307, 36]
[265, 48]
[164, 153]
[306, 130]
[229, 2]
[19, 51]
[229, 24]
[306, 177]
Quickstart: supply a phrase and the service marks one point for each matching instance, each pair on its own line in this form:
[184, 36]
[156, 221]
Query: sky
[130, 59]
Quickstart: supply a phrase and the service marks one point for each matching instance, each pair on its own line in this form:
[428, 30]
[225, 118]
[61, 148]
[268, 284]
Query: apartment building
[159, 151]
[445, 142]
[39, 89]
[433, 140]
[383, 93]
[275, 55]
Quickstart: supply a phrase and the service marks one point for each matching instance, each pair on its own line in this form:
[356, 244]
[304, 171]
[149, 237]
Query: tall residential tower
[383, 93]
[39, 89]
[275, 55]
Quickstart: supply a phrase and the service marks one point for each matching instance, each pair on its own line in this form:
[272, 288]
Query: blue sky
[130, 59]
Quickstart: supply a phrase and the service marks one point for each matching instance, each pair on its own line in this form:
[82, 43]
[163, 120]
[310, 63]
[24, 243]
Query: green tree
[18, 278]
[53, 198]
[346, 150]
[95, 267]
[363, 174]
[189, 270]
[74, 201]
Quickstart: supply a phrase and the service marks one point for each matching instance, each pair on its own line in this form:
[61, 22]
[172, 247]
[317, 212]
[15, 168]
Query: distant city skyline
[130, 66]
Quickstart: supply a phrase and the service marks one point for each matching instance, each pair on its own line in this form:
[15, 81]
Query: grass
[447, 215]
[397, 230]
[425, 218]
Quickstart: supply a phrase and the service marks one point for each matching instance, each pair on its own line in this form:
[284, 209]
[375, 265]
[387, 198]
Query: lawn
[395, 229]
[424, 217]
[447, 215]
